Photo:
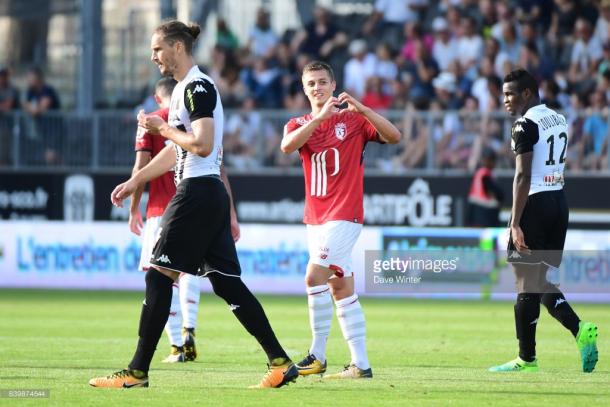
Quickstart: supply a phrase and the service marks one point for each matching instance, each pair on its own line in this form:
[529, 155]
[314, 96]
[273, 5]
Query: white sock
[173, 328]
[351, 320]
[189, 298]
[320, 319]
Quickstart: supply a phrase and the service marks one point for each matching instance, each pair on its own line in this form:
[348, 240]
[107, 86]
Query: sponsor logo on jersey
[164, 259]
[340, 131]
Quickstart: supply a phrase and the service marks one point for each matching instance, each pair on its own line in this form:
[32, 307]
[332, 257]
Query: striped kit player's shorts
[331, 244]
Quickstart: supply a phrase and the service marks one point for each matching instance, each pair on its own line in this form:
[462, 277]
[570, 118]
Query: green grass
[422, 352]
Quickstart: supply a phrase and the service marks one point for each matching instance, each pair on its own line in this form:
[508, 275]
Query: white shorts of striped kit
[331, 244]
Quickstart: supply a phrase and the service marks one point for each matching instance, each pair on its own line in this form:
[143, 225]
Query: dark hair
[37, 72]
[165, 86]
[524, 80]
[319, 66]
[174, 31]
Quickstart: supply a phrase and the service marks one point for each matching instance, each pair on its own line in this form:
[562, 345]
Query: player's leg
[155, 311]
[222, 267]
[173, 328]
[320, 318]
[527, 311]
[353, 325]
[190, 287]
[176, 251]
[553, 299]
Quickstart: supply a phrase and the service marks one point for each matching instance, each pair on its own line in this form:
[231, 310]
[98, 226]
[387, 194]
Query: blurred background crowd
[433, 67]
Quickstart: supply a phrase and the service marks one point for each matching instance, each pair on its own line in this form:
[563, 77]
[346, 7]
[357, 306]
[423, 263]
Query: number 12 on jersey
[551, 142]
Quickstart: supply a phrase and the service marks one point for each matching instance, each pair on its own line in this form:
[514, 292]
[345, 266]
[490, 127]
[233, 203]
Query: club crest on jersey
[340, 131]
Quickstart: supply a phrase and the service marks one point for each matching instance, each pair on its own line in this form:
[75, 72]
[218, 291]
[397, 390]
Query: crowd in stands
[416, 60]
[420, 56]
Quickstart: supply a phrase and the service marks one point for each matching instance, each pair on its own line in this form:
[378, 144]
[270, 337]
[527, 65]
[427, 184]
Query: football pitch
[422, 352]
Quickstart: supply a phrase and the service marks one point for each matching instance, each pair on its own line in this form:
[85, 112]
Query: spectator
[420, 72]
[242, 140]
[414, 33]
[444, 49]
[262, 40]
[389, 18]
[488, 17]
[480, 87]
[595, 131]
[385, 67]
[563, 18]
[375, 97]
[320, 37]
[469, 47]
[9, 95]
[40, 97]
[225, 38]
[500, 58]
[44, 132]
[264, 83]
[9, 100]
[535, 12]
[509, 43]
[550, 94]
[586, 54]
[486, 195]
[232, 89]
[602, 25]
[359, 68]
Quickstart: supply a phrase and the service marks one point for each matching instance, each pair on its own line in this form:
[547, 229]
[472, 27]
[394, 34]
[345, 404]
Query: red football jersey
[333, 164]
[162, 189]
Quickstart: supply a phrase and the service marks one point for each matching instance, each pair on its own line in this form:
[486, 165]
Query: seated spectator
[586, 54]
[262, 40]
[320, 37]
[385, 67]
[595, 131]
[242, 139]
[444, 49]
[389, 18]
[375, 97]
[359, 68]
[415, 139]
[420, 72]
[602, 25]
[225, 38]
[469, 47]
[40, 97]
[264, 83]
[413, 34]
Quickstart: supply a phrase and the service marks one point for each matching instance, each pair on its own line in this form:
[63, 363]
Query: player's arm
[158, 166]
[525, 135]
[388, 133]
[295, 139]
[200, 99]
[143, 157]
[235, 230]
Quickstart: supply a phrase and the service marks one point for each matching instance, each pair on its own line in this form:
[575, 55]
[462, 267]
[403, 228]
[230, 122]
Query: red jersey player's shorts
[331, 243]
[150, 235]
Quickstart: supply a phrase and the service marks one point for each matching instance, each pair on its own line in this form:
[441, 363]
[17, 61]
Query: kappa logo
[534, 322]
[340, 131]
[199, 88]
[559, 301]
[514, 255]
[164, 259]
[233, 307]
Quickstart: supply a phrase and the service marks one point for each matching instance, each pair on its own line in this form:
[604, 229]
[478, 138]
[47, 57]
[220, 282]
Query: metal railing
[432, 141]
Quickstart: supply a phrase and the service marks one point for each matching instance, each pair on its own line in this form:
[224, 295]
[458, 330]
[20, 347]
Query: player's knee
[155, 277]
[317, 275]
[341, 292]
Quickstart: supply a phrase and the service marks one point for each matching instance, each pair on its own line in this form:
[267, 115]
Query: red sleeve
[369, 131]
[291, 126]
[143, 141]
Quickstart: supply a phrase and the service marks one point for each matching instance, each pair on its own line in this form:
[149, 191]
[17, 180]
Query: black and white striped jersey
[545, 132]
[193, 98]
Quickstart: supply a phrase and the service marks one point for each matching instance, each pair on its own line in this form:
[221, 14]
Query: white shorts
[331, 244]
[150, 236]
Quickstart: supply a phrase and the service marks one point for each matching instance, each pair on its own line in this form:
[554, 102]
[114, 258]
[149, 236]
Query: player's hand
[150, 123]
[519, 240]
[329, 109]
[353, 105]
[135, 222]
[235, 229]
[122, 191]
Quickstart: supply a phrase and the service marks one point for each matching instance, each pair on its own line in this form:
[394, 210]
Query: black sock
[558, 307]
[249, 312]
[527, 311]
[153, 318]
